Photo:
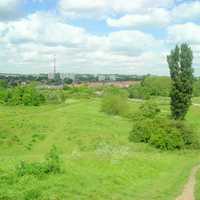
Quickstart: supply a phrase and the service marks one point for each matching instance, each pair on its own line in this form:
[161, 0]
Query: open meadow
[98, 160]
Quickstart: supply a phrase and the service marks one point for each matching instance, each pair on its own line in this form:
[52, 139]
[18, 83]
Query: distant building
[101, 77]
[112, 77]
[67, 75]
[51, 76]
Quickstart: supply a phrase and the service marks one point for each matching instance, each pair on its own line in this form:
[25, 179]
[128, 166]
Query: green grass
[99, 161]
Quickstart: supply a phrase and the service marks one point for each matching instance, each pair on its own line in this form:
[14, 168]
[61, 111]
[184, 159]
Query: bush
[51, 165]
[157, 85]
[138, 92]
[115, 102]
[142, 131]
[160, 132]
[149, 109]
[166, 136]
[83, 91]
[3, 93]
[151, 86]
[27, 95]
[53, 161]
[37, 169]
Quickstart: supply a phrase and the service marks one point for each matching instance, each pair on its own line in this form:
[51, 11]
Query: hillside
[98, 160]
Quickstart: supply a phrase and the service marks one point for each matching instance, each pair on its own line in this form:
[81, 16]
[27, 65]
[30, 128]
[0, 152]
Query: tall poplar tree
[181, 71]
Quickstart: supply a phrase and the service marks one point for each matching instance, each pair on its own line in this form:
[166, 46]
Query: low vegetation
[161, 132]
[27, 95]
[115, 102]
[52, 165]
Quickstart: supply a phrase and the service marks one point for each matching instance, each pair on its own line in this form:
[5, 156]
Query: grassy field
[99, 161]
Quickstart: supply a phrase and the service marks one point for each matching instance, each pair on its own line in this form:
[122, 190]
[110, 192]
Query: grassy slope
[100, 163]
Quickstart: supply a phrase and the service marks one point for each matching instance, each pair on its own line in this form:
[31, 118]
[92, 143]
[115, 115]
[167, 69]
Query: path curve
[189, 189]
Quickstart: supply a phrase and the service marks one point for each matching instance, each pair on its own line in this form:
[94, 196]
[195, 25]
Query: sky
[96, 36]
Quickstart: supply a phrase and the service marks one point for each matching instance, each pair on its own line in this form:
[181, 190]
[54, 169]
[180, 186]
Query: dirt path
[189, 189]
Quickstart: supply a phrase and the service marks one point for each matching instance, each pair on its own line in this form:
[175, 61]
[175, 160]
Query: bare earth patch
[189, 189]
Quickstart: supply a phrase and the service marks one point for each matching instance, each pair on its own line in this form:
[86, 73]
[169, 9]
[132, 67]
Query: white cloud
[103, 8]
[156, 14]
[155, 17]
[188, 32]
[29, 43]
[120, 6]
[79, 8]
[43, 28]
[133, 42]
[187, 11]
[9, 9]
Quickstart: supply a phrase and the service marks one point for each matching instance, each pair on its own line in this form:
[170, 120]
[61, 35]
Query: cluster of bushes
[157, 86]
[51, 165]
[30, 95]
[115, 101]
[138, 92]
[151, 86]
[22, 95]
[79, 92]
[163, 133]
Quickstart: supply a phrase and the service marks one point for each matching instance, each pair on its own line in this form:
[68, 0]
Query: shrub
[27, 95]
[3, 93]
[53, 161]
[149, 109]
[190, 137]
[37, 169]
[157, 85]
[166, 136]
[66, 87]
[160, 132]
[142, 131]
[83, 91]
[115, 102]
[51, 165]
[138, 92]
[151, 86]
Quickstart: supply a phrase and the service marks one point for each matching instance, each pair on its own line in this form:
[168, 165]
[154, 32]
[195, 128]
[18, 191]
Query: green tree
[181, 71]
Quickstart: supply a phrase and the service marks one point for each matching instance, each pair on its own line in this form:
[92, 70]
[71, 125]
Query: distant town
[61, 79]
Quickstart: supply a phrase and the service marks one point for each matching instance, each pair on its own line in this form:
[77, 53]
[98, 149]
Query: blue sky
[96, 36]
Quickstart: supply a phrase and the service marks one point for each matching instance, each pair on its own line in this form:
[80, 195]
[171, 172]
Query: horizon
[96, 37]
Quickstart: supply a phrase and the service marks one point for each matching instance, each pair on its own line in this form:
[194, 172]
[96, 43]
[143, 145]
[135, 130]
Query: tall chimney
[54, 64]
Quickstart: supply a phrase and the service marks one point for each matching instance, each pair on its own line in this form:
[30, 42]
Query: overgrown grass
[100, 162]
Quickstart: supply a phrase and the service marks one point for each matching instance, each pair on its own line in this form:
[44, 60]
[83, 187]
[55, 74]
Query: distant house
[119, 84]
[51, 76]
[101, 77]
[112, 77]
[67, 75]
